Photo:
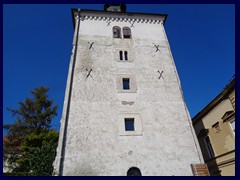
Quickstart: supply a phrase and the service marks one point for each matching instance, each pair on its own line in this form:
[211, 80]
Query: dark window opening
[116, 32]
[121, 55]
[216, 127]
[134, 171]
[126, 55]
[126, 83]
[126, 33]
[129, 124]
[209, 147]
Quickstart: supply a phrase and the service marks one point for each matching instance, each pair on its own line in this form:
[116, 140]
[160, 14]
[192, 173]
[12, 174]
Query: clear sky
[37, 43]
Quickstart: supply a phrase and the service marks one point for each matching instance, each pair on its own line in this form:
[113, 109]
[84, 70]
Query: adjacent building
[215, 129]
[124, 112]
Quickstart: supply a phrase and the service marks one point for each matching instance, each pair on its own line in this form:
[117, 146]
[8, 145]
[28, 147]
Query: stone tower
[124, 112]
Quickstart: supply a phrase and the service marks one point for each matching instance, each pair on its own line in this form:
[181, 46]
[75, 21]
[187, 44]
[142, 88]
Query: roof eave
[110, 12]
[215, 101]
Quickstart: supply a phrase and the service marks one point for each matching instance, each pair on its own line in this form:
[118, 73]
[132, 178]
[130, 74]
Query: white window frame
[230, 123]
[138, 129]
[132, 81]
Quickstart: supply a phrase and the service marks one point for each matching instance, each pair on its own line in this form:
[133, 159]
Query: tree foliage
[31, 133]
[42, 157]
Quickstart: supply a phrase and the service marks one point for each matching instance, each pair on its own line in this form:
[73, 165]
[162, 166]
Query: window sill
[130, 133]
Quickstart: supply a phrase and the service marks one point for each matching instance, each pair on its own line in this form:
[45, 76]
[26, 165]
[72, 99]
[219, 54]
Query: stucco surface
[93, 144]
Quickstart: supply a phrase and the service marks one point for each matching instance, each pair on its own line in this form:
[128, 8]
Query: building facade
[124, 112]
[215, 129]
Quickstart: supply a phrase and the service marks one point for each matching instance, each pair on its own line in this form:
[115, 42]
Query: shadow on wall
[206, 148]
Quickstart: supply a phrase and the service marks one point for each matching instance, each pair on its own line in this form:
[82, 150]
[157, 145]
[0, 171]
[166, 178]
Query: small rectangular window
[216, 127]
[126, 83]
[129, 124]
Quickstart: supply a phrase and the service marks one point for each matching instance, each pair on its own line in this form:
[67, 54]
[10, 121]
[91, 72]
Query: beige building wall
[214, 122]
[217, 113]
[232, 98]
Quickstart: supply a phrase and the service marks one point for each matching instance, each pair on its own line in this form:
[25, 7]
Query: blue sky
[37, 43]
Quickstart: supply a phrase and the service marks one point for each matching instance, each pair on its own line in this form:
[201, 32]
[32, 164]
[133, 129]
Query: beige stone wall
[232, 98]
[217, 113]
[228, 170]
[222, 140]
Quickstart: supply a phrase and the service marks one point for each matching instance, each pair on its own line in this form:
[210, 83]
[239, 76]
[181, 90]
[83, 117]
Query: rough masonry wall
[93, 145]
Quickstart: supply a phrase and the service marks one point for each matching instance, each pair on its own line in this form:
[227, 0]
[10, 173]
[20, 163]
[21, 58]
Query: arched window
[116, 32]
[126, 33]
[134, 171]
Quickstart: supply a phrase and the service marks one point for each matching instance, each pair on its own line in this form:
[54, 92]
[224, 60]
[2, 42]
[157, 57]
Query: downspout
[62, 157]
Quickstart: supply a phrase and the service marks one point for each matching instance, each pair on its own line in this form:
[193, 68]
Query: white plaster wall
[93, 146]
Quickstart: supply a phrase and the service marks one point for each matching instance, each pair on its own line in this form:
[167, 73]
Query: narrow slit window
[127, 33]
[126, 83]
[116, 32]
[121, 55]
[209, 147]
[129, 124]
[126, 55]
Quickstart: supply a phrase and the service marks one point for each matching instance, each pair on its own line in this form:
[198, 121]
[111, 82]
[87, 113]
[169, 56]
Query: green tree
[42, 157]
[31, 130]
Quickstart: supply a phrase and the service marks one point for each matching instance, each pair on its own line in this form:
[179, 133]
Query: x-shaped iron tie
[91, 44]
[157, 46]
[160, 74]
[132, 23]
[89, 73]
[108, 23]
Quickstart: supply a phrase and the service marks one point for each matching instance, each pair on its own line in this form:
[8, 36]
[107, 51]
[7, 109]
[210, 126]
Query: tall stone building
[124, 112]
